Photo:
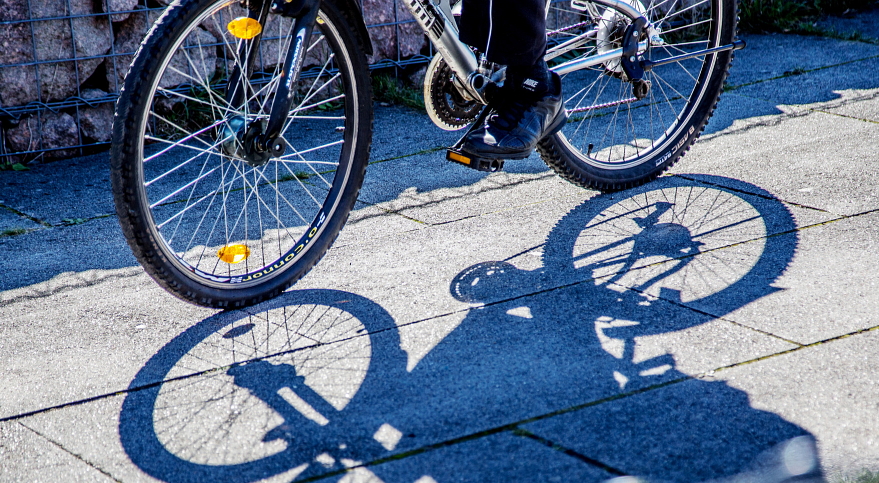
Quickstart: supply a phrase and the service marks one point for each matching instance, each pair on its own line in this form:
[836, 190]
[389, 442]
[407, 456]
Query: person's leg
[528, 107]
[509, 32]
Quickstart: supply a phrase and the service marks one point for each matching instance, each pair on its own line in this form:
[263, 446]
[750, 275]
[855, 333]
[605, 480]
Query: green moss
[865, 476]
[12, 232]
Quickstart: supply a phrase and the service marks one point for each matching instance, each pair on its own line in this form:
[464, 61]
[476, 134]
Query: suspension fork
[247, 52]
[260, 140]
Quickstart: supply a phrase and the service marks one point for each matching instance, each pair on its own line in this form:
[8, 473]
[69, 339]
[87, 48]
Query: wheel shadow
[315, 384]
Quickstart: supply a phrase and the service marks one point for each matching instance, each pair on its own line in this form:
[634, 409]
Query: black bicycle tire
[132, 207]
[568, 162]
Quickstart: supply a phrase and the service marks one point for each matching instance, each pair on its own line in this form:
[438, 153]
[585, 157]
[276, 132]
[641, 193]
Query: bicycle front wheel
[615, 139]
[209, 224]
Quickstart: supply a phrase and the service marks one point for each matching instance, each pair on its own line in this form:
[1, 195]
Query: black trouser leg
[517, 30]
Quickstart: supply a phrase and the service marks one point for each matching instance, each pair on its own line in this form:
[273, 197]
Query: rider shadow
[316, 381]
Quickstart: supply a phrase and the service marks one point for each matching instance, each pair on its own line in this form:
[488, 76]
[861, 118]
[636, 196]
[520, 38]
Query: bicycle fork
[260, 140]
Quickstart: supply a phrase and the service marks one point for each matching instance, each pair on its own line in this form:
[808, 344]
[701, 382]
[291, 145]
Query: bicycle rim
[609, 127]
[222, 222]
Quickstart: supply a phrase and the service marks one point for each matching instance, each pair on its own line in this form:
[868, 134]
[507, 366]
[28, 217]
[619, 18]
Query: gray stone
[192, 64]
[51, 40]
[96, 122]
[52, 130]
[392, 41]
[119, 6]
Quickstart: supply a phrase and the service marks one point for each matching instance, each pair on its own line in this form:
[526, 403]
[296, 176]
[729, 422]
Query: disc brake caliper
[631, 61]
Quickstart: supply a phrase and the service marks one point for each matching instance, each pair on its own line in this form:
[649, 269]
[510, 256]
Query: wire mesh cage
[62, 64]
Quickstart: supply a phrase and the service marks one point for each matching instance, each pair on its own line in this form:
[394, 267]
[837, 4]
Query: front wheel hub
[244, 141]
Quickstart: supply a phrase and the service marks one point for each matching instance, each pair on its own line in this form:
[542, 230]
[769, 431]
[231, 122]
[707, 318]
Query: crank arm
[650, 64]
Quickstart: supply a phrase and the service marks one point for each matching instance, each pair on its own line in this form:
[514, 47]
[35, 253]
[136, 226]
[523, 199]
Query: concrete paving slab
[434, 203]
[57, 253]
[865, 24]
[421, 285]
[12, 223]
[71, 189]
[385, 393]
[25, 456]
[829, 288]
[809, 158]
[734, 111]
[86, 340]
[505, 456]
[768, 56]
[829, 390]
[369, 222]
[691, 431]
[401, 131]
[502, 457]
[815, 86]
[859, 104]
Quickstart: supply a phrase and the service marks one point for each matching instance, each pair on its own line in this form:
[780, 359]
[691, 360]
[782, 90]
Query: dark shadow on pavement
[316, 382]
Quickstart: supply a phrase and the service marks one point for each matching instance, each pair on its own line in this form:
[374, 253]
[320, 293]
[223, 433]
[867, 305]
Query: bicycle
[243, 129]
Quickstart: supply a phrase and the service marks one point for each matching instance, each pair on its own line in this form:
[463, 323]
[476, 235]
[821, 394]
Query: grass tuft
[795, 16]
[393, 91]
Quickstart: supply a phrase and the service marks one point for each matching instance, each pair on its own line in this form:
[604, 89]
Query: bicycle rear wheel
[613, 139]
[212, 227]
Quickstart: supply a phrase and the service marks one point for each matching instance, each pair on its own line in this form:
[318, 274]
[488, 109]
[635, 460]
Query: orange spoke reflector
[234, 253]
[244, 28]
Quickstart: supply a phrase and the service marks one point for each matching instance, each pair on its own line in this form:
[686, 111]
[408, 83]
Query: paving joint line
[71, 453]
[467, 309]
[790, 74]
[514, 426]
[402, 156]
[523, 433]
[843, 116]
[759, 195]
[713, 316]
[25, 215]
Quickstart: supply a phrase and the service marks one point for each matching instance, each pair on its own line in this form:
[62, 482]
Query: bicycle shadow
[316, 382]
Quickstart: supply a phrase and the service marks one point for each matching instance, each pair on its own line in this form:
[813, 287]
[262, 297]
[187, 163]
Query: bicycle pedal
[474, 162]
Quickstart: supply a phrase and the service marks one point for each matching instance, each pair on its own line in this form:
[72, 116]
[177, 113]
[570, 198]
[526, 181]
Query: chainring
[445, 105]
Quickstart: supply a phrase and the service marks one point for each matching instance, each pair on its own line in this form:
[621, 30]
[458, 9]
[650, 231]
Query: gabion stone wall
[63, 61]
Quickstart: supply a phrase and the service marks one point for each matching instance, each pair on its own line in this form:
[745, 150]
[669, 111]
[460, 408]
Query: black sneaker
[522, 116]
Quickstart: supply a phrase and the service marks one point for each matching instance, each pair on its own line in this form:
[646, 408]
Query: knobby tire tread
[144, 246]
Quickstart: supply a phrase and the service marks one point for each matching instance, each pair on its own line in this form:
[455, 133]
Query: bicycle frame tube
[437, 20]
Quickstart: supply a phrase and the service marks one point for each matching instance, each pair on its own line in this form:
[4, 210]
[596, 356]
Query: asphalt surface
[462, 327]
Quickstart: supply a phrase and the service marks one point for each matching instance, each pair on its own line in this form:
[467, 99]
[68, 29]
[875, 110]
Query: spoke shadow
[563, 357]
